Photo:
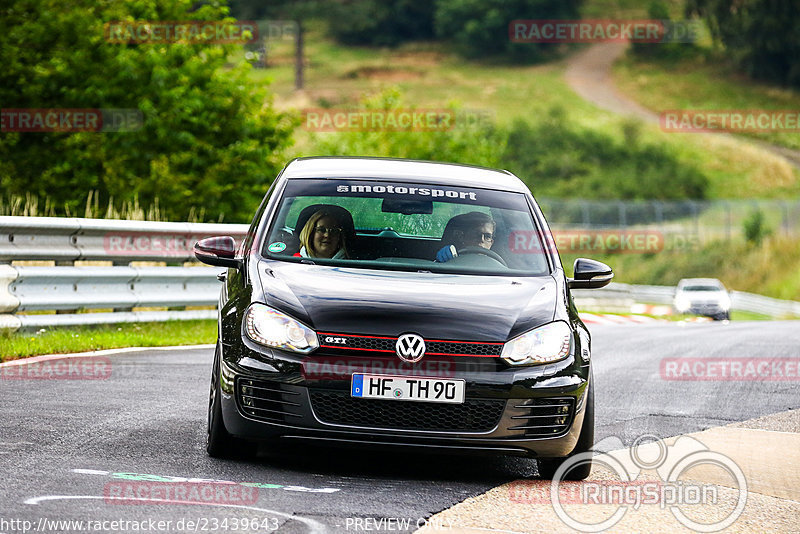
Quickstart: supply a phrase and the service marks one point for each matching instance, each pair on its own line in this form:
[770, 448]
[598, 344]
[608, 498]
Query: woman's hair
[307, 233]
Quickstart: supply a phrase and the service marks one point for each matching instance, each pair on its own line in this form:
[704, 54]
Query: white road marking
[104, 352]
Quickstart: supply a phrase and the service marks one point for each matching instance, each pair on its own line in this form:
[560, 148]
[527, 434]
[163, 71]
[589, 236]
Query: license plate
[407, 388]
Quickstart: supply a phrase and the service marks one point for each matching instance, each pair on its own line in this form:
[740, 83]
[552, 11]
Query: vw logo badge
[410, 347]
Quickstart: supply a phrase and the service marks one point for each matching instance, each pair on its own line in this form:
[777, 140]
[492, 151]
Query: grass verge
[767, 269]
[80, 339]
[704, 82]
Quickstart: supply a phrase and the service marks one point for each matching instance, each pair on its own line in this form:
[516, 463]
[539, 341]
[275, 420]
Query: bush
[480, 144]
[755, 228]
[659, 10]
[554, 159]
[562, 161]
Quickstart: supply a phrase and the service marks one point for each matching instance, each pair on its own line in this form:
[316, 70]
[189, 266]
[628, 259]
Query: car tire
[219, 443]
[549, 466]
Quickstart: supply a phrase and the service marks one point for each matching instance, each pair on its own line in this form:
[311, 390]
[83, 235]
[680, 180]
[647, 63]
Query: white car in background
[703, 296]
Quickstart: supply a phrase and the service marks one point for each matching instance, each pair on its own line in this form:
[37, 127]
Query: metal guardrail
[25, 289]
[766, 305]
[72, 239]
[620, 295]
[123, 288]
[70, 288]
[67, 289]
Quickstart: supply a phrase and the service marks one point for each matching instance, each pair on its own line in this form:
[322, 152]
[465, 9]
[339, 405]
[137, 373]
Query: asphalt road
[65, 444]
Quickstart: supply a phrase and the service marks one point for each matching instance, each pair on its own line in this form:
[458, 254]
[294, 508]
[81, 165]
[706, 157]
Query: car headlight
[548, 343]
[276, 330]
[682, 303]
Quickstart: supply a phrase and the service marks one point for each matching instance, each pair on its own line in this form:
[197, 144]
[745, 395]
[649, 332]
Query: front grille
[474, 415]
[545, 417]
[356, 342]
[267, 401]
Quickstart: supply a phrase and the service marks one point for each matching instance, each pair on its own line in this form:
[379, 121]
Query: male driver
[473, 229]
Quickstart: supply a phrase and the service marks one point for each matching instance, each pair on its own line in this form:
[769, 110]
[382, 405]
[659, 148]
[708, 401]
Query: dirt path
[589, 74]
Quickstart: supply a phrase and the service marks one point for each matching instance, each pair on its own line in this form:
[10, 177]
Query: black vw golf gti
[393, 303]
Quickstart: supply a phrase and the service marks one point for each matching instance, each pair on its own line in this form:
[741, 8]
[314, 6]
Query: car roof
[389, 169]
[700, 282]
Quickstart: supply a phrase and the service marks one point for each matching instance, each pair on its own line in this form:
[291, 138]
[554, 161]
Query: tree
[209, 138]
[381, 22]
[479, 28]
[761, 36]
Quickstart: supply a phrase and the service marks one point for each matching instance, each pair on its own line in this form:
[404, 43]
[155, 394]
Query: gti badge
[410, 347]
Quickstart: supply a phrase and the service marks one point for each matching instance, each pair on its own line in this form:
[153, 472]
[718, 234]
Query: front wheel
[548, 466]
[219, 443]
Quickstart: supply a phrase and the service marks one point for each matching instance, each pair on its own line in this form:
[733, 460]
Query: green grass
[769, 269]
[80, 339]
[739, 315]
[704, 82]
[429, 76]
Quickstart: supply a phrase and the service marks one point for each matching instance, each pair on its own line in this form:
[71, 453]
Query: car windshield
[406, 226]
[702, 288]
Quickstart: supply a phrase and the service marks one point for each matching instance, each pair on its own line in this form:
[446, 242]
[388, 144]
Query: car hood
[433, 305]
[703, 296]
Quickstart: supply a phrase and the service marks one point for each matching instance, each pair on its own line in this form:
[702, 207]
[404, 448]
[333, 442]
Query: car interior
[387, 245]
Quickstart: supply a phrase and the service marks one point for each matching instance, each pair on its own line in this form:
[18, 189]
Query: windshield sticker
[278, 246]
[402, 190]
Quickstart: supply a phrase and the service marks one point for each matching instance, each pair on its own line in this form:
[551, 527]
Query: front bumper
[533, 411]
[708, 310]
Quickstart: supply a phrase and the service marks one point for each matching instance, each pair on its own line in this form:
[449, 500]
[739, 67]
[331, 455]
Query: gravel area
[781, 422]
[525, 506]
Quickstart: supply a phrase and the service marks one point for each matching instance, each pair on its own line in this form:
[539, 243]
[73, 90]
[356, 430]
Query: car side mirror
[590, 274]
[219, 251]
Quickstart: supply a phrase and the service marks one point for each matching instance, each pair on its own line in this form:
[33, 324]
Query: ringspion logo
[622, 489]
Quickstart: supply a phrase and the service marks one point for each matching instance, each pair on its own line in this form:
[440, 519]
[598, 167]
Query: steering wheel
[485, 251]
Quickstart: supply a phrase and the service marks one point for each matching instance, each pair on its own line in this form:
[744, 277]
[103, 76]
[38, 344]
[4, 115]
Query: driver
[473, 229]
